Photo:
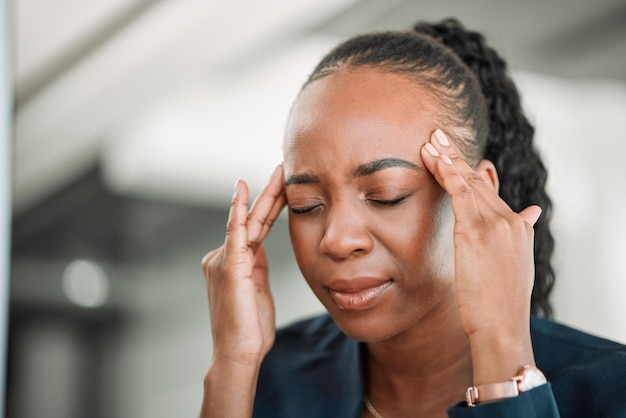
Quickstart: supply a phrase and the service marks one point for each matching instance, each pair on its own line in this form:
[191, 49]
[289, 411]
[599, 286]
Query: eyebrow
[374, 166]
[363, 170]
[301, 179]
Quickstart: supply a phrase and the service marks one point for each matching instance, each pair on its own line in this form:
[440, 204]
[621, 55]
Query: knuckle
[258, 221]
[209, 258]
[213, 264]
[262, 222]
[231, 227]
[530, 230]
[252, 247]
[502, 225]
[521, 227]
[232, 268]
[456, 184]
[511, 228]
[206, 260]
[475, 233]
[474, 178]
[465, 189]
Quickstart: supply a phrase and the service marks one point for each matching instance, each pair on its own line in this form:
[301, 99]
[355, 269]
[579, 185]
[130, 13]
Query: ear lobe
[487, 171]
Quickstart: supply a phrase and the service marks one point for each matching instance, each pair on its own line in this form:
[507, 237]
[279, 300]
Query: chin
[366, 326]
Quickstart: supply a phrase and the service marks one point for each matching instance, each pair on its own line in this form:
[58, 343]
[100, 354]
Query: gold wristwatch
[529, 377]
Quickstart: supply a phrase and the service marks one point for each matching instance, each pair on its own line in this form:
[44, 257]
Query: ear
[487, 171]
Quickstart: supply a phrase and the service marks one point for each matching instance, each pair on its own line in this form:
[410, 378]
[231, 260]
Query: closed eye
[301, 211]
[388, 202]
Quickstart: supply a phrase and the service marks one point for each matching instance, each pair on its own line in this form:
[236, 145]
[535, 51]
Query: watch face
[532, 378]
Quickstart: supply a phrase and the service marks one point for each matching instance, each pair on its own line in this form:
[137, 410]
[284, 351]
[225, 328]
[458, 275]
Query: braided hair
[480, 109]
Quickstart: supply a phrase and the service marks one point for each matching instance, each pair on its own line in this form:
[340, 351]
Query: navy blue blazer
[314, 370]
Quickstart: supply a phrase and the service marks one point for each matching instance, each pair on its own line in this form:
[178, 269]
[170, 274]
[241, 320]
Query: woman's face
[370, 227]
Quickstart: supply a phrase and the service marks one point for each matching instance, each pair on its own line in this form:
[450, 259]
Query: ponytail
[481, 110]
[509, 144]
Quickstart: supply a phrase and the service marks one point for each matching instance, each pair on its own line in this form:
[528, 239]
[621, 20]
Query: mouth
[358, 294]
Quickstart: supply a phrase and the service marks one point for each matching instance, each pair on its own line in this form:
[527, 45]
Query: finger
[484, 185]
[260, 268]
[236, 243]
[531, 214]
[266, 208]
[464, 203]
[271, 218]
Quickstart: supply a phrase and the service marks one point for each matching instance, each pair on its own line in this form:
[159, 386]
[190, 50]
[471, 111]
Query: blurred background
[134, 118]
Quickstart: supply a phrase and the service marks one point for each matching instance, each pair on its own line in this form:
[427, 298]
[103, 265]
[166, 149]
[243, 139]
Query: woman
[412, 187]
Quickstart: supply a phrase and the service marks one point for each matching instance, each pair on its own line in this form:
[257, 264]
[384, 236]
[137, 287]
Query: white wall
[580, 130]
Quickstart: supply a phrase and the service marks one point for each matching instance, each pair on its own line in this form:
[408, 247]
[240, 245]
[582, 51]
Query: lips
[358, 294]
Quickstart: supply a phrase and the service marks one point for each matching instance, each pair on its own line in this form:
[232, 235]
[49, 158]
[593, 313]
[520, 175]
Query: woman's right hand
[236, 273]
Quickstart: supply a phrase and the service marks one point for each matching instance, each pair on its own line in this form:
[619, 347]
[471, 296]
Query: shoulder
[562, 334]
[316, 340]
[302, 340]
[557, 345]
[312, 370]
[577, 364]
[320, 330]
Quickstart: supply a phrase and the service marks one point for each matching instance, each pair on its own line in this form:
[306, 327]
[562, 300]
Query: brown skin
[240, 303]
[451, 314]
[338, 124]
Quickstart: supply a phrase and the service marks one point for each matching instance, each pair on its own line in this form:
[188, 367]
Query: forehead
[360, 114]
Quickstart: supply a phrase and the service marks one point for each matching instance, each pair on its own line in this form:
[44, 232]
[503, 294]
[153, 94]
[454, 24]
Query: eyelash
[377, 202]
[390, 202]
[303, 211]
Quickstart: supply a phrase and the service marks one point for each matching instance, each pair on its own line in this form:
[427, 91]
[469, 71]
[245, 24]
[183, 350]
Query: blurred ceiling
[182, 96]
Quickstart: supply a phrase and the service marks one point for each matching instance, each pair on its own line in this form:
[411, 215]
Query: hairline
[463, 137]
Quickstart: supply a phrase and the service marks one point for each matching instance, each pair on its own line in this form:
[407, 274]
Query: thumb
[531, 214]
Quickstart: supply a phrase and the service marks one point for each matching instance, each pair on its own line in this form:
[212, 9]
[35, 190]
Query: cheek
[303, 241]
[422, 236]
[442, 247]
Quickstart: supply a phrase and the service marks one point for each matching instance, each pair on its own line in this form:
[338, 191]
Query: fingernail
[538, 215]
[446, 159]
[431, 150]
[442, 138]
[276, 170]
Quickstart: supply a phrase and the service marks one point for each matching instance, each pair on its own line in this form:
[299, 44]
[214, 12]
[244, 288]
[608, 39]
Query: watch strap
[527, 378]
[492, 392]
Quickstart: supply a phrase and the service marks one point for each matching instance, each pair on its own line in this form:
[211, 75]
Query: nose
[346, 234]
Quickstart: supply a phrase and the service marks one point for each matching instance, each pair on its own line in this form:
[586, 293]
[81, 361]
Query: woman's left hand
[494, 265]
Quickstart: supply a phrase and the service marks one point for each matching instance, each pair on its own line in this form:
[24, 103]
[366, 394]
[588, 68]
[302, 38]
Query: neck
[426, 368]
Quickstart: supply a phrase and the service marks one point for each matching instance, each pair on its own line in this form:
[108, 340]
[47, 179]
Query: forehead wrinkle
[374, 166]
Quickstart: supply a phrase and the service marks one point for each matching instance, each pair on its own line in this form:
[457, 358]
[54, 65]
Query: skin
[378, 195]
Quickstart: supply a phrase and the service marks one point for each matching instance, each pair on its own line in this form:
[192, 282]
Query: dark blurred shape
[6, 146]
[65, 359]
